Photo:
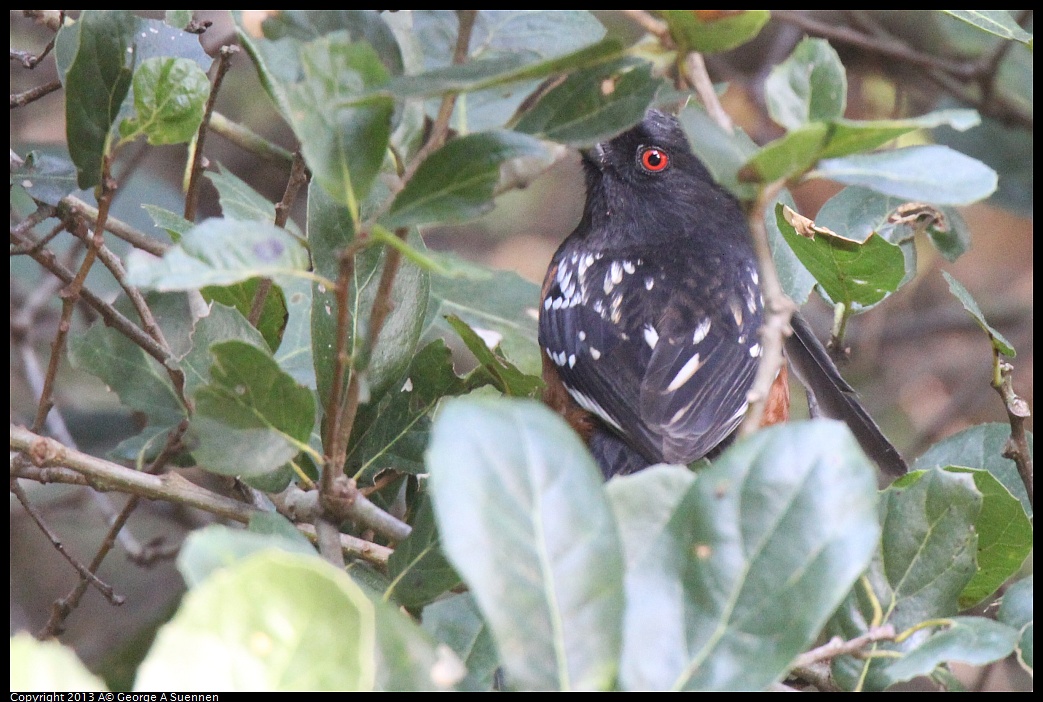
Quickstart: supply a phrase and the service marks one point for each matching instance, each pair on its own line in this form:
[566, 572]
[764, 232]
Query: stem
[196, 170]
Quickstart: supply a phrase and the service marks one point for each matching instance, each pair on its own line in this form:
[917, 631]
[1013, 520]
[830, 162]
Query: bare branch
[196, 171]
[1017, 447]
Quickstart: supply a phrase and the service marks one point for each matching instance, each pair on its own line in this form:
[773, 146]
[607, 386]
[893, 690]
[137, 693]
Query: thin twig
[196, 171]
[696, 74]
[113, 318]
[85, 573]
[1016, 448]
[650, 24]
[839, 647]
[35, 93]
[298, 177]
[121, 230]
[327, 537]
[248, 140]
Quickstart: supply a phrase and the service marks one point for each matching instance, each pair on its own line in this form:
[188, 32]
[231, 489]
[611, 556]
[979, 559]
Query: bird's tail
[836, 399]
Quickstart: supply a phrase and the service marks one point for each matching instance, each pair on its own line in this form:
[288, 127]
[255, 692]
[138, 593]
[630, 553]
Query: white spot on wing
[594, 353]
[582, 335]
[592, 407]
[651, 336]
[572, 360]
[628, 266]
[736, 309]
[649, 282]
[701, 331]
[685, 374]
[616, 271]
[755, 350]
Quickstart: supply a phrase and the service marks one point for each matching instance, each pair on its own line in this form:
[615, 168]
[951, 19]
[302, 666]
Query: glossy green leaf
[578, 112]
[418, 569]
[393, 433]
[170, 97]
[519, 507]
[971, 640]
[294, 353]
[723, 153]
[788, 156]
[278, 621]
[858, 275]
[95, 58]
[644, 504]
[750, 562]
[172, 223]
[362, 25]
[242, 295]
[330, 229]
[851, 136]
[140, 381]
[998, 22]
[510, 52]
[503, 374]
[934, 174]
[251, 417]
[156, 38]
[208, 550]
[998, 341]
[222, 252]
[239, 201]
[1016, 611]
[178, 19]
[48, 665]
[501, 309]
[456, 622]
[45, 177]
[408, 659]
[712, 31]
[926, 559]
[980, 446]
[795, 279]
[222, 324]
[1004, 538]
[952, 237]
[810, 86]
[458, 181]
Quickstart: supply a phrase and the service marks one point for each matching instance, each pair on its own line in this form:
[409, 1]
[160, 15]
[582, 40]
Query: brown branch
[839, 647]
[694, 68]
[71, 295]
[73, 206]
[650, 24]
[35, 93]
[113, 318]
[1017, 447]
[298, 177]
[85, 573]
[196, 171]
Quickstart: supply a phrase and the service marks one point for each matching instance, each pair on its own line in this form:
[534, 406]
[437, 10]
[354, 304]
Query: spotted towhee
[651, 312]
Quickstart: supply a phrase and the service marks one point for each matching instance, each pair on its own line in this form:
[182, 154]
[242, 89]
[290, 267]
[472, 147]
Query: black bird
[651, 310]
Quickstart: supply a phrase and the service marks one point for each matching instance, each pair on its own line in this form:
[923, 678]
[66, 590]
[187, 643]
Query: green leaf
[998, 22]
[156, 38]
[170, 97]
[723, 153]
[926, 559]
[278, 621]
[712, 31]
[364, 26]
[750, 561]
[208, 550]
[522, 517]
[952, 237]
[970, 640]
[46, 178]
[851, 136]
[510, 52]
[240, 201]
[578, 112]
[795, 279]
[178, 19]
[456, 621]
[343, 145]
[644, 504]
[934, 174]
[809, 86]
[393, 433]
[1004, 537]
[251, 417]
[223, 323]
[330, 230]
[857, 275]
[140, 381]
[504, 375]
[222, 252]
[48, 665]
[95, 58]
[998, 341]
[174, 224]
[294, 351]
[503, 306]
[788, 156]
[1016, 611]
[980, 446]
[419, 570]
[241, 296]
[458, 181]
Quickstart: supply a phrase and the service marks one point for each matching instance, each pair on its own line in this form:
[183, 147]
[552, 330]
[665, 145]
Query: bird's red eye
[653, 160]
